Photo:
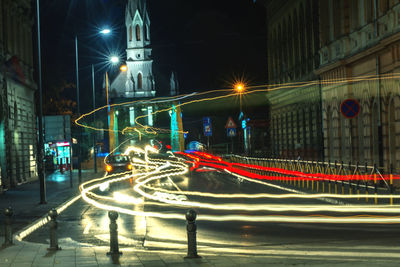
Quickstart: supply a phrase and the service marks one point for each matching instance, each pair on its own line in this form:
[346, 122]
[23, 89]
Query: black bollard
[191, 234]
[8, 212]
[53, 230]
[114, 248]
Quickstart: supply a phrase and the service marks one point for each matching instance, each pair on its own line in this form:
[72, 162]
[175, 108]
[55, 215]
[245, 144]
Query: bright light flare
[123, 68]
[105, 31]
[109, 168]
[239, 87]
[114, 59]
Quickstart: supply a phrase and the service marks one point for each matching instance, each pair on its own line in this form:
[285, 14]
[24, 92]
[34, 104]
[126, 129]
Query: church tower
[139, 76]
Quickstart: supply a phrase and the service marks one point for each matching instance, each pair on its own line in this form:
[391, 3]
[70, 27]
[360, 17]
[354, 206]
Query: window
[130, 34]
[139, 81]
[137, 33]
[146, 34]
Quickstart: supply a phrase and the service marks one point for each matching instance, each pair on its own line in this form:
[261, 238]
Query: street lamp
[40, 149]
[239, 87]
[114, 60]
[123, 68]
[110, 113]
[105, 31]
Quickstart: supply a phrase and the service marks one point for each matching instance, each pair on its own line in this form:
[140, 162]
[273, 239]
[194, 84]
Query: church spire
[140, 81]
[137, 24]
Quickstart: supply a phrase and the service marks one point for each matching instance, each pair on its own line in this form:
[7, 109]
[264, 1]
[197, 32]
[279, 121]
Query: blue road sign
[350, 108]
[231, 132]
[207, 126]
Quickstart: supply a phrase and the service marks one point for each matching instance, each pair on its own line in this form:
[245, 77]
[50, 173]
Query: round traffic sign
[350, 108]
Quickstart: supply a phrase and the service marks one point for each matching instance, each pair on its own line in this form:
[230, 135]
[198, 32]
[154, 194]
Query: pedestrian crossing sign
[231, 132]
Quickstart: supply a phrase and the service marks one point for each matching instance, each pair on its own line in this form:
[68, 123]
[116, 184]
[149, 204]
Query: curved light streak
[166, 169]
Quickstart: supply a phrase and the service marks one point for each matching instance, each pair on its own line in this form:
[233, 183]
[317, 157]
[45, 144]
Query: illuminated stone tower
[139, 76]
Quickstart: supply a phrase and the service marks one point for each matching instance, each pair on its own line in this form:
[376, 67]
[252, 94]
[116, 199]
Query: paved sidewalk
[25, 198]
[24, 254]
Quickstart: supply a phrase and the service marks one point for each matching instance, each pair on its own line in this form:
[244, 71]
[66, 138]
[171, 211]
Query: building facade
[360, 52]
[346, 50]
[293, 47]
[136, 86]
[18, 136]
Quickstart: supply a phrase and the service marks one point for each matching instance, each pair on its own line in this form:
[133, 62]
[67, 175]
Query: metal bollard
[53, 230]
[114, 248]
[8, 212]
[191, 234]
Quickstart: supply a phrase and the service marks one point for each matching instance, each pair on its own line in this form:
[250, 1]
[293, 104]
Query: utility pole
[40, 156]
[94, 121]
[79, 111]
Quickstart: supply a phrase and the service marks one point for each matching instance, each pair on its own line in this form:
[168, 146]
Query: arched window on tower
[139, 81]
[137, 32]
[130, 33]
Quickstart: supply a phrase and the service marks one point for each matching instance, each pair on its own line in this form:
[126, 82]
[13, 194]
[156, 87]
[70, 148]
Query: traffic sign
[207, 126]
[230, 123]
[231, 132]
[350, 108]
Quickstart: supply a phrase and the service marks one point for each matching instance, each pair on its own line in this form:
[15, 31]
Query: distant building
[17, 94]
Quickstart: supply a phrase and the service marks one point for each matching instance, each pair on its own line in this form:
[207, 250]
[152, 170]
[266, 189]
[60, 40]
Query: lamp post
[110, 113]
[239, 87]
[40, 149]
[78, 107]
[105, 31]
[94, 121]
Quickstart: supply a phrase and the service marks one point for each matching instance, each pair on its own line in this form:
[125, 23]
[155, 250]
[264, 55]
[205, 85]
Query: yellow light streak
[168, 169]
[252, 89]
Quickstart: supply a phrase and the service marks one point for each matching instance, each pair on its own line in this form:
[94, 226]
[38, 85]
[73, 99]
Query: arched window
[137, 32]
[130, 33]
[139, 81]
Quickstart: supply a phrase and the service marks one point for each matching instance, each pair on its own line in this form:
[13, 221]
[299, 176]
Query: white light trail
[164, 169]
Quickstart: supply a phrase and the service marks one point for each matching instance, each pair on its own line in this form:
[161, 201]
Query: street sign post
[350, 108]
[207, 129]
[231, 132]
[230, 123]
[231, 129]
[207, 126]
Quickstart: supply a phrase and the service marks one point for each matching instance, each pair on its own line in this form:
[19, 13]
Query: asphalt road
[84, 225]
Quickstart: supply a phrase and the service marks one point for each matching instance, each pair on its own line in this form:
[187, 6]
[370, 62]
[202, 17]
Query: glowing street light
[114, 59]
[239, 87]
[123, 68]
[105, 31]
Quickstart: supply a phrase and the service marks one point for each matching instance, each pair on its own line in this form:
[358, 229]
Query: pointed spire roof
[140, 5]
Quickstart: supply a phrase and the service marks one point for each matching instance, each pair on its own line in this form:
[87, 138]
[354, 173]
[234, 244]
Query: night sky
[209, 43]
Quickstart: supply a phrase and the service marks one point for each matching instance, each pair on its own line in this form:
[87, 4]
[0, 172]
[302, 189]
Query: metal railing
[370, 179]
